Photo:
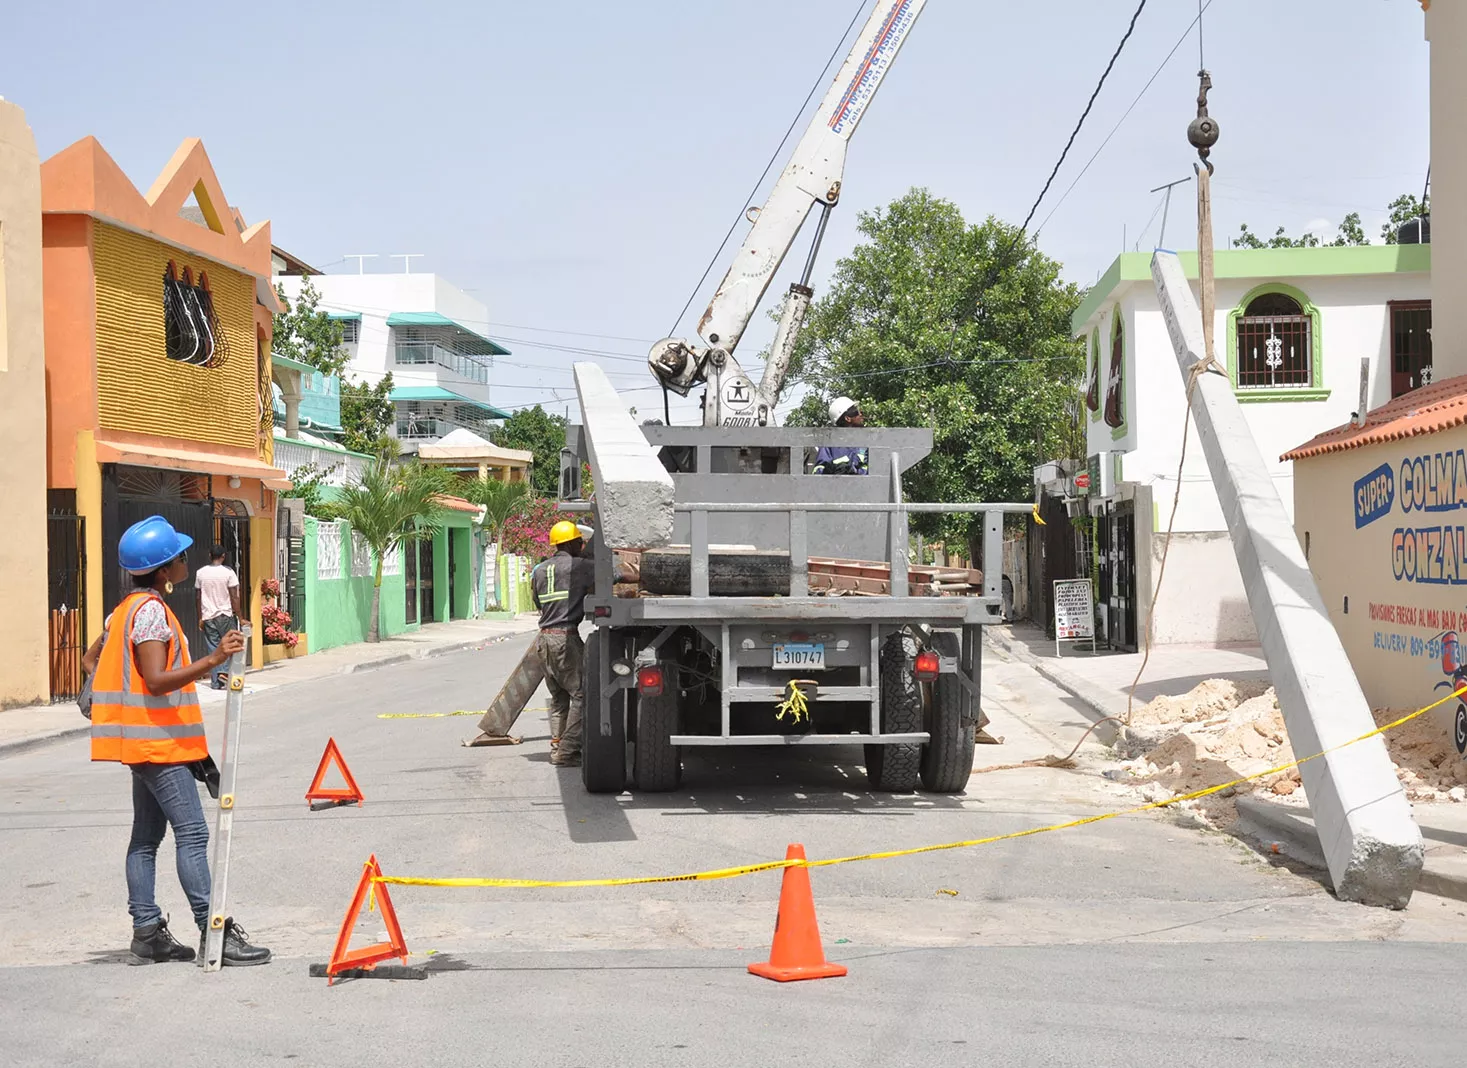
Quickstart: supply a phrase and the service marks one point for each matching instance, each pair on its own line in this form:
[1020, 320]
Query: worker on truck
[559, 586]
[842, 460]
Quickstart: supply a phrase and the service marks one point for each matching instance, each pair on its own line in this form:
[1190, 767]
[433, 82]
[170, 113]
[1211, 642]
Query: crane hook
[1202, 132]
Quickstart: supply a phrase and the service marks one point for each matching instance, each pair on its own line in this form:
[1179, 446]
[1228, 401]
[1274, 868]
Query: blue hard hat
[148, 545]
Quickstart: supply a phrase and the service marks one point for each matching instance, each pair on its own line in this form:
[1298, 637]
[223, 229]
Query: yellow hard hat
[563, 532]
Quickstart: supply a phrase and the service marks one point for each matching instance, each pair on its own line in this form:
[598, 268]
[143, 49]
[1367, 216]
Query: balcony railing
[430, 427]
[339, 469]
[474, 368]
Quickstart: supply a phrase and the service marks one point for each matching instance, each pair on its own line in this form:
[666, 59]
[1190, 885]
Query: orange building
[158, 368]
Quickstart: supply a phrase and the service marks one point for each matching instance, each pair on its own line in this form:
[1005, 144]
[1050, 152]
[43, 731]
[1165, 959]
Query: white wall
[1446, 29]
[1354, 324]
[376, 296]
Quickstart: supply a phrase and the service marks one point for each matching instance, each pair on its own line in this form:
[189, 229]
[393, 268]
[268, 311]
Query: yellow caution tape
[440, 715]
[771, 865]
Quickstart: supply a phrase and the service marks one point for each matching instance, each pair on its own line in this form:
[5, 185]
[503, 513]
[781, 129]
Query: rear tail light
[601, 612]
[649, 682]
[926, 667]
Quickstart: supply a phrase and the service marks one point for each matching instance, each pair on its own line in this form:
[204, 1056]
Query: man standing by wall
[216, 589]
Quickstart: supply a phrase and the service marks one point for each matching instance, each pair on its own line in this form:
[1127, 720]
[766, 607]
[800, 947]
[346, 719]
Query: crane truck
[782, 610]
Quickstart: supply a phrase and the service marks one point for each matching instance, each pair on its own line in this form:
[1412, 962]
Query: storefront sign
[1074, 613]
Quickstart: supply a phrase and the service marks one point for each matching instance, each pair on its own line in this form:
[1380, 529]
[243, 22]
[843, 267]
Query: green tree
[541, 433]
[1351, 232]
[391, 505]
[366, 415]
[1402, 210]
[308, 335]
[964, 328]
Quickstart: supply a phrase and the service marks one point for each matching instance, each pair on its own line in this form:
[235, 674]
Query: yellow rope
[796, 705]
[771, 865]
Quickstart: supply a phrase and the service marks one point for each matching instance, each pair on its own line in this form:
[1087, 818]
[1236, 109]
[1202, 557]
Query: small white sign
[1074, 610]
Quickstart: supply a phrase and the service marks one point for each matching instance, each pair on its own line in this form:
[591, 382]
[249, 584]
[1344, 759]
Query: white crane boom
[812, 176]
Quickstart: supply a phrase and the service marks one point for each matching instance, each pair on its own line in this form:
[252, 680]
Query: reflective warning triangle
[372, 895]
[317, 792]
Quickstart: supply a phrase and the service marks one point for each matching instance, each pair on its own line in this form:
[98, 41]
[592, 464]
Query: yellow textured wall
[138, 388]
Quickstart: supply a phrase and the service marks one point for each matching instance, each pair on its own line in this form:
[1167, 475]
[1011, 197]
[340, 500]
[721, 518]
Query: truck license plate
[807, 657]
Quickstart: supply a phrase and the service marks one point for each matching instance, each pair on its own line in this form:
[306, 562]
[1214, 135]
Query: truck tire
[897, 768]
[656, 766]
[603, 756]
[947, 758]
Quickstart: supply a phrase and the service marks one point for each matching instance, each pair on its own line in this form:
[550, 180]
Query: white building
[429, 334]
[1292, 327]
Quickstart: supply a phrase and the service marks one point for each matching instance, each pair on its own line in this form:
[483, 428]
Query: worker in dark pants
[559, 587]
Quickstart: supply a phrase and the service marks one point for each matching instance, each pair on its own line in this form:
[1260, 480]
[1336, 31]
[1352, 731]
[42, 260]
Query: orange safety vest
[131, 724]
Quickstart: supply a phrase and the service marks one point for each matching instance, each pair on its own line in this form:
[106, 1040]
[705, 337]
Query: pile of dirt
[1223, 730]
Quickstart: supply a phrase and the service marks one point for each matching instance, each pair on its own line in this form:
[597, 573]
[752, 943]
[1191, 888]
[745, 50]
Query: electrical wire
[819, 81]
[1127, 114]
[1085, 114]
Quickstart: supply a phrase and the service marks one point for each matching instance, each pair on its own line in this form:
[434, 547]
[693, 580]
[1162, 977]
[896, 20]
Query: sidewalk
[1103, 682]
[24, 728]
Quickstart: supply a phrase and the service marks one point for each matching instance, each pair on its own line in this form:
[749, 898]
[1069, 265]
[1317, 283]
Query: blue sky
[574, 164]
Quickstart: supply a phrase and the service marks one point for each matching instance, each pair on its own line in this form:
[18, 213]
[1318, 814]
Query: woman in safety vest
[145, 714]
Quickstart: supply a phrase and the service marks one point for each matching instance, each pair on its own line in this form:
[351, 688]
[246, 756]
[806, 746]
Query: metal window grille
[191, 326]
[361, 556]
[328, 551]
[1411, 360]
[1275, 344]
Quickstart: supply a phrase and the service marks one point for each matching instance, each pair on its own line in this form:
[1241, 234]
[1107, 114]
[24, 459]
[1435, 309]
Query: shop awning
[115, 451]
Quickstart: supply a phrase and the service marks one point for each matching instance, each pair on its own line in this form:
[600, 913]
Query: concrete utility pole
[1370, 842]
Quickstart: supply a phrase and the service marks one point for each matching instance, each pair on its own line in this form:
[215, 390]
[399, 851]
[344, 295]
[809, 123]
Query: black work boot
[155, 944]
[238, 953]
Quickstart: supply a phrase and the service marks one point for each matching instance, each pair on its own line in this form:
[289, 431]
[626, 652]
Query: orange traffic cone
[797, 953]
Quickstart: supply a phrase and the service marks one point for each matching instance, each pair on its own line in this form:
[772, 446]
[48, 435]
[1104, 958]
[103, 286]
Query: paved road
[1136, 940]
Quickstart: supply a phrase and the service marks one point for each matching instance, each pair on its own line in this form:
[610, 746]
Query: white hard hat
[839, 407]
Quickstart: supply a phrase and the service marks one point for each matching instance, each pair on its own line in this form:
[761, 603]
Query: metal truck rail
[704, 644]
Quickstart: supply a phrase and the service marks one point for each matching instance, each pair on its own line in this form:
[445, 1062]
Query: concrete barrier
[633, 489]
[1370, 843]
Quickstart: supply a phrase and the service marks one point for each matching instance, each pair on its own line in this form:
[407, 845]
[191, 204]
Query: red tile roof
[456, 504]
[1439, 406]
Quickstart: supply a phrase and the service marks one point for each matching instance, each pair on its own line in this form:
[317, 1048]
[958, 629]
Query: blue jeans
[164, 794]
[214, 631]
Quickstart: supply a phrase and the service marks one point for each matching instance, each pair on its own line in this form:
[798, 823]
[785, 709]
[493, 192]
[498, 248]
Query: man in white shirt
[216, 592]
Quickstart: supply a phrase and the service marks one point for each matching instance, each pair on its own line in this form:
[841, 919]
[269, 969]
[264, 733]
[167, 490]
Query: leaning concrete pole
[633, 489]
[1371, 843]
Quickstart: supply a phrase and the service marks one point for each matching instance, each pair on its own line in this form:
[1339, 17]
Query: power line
[1127, 114]
[819, 81]
[1085, 114]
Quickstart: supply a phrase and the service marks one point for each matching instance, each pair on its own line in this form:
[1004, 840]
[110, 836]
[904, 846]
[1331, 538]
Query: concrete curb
[35, 741]
[1073, 685]
[1291, 829]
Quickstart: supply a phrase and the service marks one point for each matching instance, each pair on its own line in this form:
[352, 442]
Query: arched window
[191, 326]
[1275, 343]
[1115, 381]
[1092, 391]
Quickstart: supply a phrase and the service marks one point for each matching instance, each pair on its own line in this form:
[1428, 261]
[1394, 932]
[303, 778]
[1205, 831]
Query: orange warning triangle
[317, 792]
[370, 956]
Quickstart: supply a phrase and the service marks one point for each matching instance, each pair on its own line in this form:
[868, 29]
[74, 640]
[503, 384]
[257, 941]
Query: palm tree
[391, 506]
[500, 501]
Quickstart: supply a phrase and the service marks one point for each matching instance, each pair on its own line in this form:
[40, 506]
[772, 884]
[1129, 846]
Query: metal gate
[428, 610]
[1116, 546]
[131, 494]
[232, 532]
[1054, 553]
[67, 581]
